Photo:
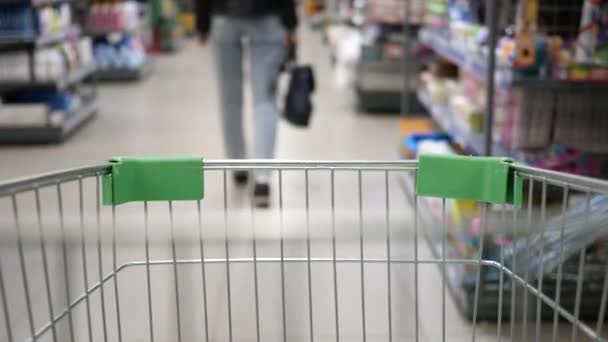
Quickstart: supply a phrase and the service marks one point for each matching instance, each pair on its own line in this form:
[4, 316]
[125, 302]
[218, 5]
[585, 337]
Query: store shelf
[11, 42]
[456, 127]
[49, 2]
[48, 135]
[71, 78]
[477, 65]
[36, 3]
[109, 33]
[125, 75]
[461, 285]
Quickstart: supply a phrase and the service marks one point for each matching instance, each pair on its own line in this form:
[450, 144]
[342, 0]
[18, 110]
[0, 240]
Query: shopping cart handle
[153, 179]
[483, 179]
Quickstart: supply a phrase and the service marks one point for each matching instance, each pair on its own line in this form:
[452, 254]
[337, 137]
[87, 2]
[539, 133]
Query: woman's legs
[228, 53]
[267, 49]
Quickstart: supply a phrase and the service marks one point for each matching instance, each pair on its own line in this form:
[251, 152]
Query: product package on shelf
[168, 33]
[128, 53]
[393, 11]
[436, 13]
[54, 19]
[14, 67]
[113, 17]
[85, 52]
[17, 20]
[50, 64]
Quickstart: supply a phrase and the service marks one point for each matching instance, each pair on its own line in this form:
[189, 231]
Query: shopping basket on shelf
[171, 250]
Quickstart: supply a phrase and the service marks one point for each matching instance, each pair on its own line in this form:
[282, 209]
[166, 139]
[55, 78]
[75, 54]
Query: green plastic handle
[482, 179]
[153, 179]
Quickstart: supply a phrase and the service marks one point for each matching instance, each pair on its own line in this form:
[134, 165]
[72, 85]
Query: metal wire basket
[337, 257]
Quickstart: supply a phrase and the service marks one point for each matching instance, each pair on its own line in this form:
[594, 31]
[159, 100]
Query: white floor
[174, 114]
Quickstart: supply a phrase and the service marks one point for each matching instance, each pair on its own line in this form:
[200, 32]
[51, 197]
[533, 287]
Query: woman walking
[264, 28]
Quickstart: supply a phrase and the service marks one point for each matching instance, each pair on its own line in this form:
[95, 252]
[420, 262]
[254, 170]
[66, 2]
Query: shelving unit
[13, 42]
[59, 128]
[512, 102]
[476, 64]
[460, 132]
[166, 27]
[108, 35]
[125, 74]
[379, 77]
[462, 288]
[508, 104]
[505, 79]
[39, 3]
[21, 135]
[73, 77]
[97, 34]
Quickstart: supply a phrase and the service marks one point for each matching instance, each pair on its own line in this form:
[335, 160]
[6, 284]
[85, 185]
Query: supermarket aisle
[174, 113]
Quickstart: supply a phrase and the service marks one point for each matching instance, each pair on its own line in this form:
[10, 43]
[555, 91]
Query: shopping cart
[131, 251]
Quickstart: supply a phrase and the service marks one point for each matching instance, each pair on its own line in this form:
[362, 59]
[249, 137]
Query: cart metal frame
[9, 191]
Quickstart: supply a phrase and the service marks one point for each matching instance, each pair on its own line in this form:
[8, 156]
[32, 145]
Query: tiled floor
[174, 113]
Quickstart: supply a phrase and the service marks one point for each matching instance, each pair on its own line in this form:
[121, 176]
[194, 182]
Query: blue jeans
[264, 38]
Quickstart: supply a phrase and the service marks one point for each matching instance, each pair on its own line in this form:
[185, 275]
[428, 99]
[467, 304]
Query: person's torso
[246, 8]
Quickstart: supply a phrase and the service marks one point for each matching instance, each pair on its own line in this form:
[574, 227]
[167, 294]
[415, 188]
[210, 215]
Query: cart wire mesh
[337, 257]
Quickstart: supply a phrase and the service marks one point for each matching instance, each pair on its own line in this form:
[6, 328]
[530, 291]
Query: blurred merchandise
[165, 22]
[17, 20]
[113, 17]
[313, 7]
[188, 22]
[393, 11]
[121, 34]
[21, 20]
[44, 60]
[187, 18]
[127, 53]
[548, 84]
[428, 143]
[50, 64]
[54, 19]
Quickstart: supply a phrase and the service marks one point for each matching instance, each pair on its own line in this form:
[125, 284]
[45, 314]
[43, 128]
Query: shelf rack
[462, 290]
[138, 73]
[457, 128]
[125, 74]
[379, 82]
[498, 78]
[477, 64]
[505, 80]
[73, 120]
[18, 42]
[22, 135]
[34, 3]
[73, 77]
